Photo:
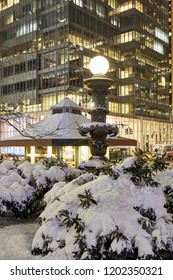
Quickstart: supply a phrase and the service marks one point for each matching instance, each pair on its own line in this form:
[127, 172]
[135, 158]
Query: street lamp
[98, 129]
[99, 65]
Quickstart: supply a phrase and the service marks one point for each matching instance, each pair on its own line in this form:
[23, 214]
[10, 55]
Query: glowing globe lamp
[99, 65]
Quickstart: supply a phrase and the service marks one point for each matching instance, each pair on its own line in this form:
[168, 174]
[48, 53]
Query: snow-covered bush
[123, 211]
[15, 192]
[53, 161]
[23, 187]
[5, 199]
[166, 180]
[110, 216]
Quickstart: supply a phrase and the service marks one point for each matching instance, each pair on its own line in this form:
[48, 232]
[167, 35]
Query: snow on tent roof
[66, 103]
[64, 125]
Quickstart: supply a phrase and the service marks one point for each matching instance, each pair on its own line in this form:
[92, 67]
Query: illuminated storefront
[72, 155]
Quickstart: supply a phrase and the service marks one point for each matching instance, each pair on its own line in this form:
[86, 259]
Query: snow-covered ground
[16, 241]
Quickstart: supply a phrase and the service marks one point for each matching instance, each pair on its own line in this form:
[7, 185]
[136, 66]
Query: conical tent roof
[58, 125]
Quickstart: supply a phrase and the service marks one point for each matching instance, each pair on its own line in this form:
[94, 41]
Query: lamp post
[98, 129]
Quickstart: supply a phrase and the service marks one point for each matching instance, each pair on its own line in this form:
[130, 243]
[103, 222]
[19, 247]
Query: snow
[115, 208]
[54, 173]
[64, 125]
[12, 176]
[16, 240]
[67, 103]
[95, 124]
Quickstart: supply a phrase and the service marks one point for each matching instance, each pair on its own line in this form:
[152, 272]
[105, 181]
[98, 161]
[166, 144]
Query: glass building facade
[144, 52]
[46, 47]
[171, 53]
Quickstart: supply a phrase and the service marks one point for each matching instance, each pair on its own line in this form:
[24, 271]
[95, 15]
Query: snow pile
[105, 217]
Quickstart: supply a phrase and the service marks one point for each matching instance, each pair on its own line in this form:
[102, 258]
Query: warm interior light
[99, 65]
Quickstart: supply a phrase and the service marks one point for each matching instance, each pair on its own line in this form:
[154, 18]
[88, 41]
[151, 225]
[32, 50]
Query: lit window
[78, 2]
[125, 108]
[126, 37]
[161, 35]
[158, 47]
[100, 11]
[26, 27]
[126, 6]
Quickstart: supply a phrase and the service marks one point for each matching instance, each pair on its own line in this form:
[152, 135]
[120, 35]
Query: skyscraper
[171, 52]
[144, 66]
[46, 47]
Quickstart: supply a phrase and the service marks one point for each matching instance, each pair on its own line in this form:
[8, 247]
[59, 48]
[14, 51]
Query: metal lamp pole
[98, 128]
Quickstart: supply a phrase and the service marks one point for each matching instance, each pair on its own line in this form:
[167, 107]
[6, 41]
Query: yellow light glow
[99, 65]
[49, 151]
[32, 154]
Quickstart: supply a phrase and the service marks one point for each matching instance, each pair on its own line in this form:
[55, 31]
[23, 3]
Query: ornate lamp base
[95, 163]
